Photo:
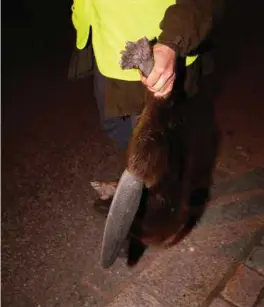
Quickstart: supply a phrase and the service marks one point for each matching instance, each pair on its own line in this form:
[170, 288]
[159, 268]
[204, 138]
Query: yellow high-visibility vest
[114, 22]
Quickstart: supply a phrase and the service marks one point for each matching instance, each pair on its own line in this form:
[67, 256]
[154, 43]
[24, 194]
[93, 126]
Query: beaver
[172, 151]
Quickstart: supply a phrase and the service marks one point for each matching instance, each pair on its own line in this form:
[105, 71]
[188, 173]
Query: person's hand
[161, 79]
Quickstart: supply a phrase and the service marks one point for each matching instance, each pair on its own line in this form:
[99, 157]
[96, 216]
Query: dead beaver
[172, 151]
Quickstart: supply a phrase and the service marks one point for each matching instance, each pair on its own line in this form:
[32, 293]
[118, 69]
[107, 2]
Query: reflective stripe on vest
[114, 23]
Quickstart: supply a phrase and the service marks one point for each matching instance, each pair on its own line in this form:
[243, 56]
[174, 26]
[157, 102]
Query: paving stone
[261, 303]
[249, 181]
[256, 259]
[219, 302]
[196, 265]
[235, 210]
[221, 175]
[243, 288]
[135, 296]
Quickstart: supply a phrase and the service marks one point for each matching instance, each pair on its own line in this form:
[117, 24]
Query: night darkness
[32, 31]
[53, 146]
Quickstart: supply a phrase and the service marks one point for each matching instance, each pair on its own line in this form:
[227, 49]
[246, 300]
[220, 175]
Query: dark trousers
[119, 129]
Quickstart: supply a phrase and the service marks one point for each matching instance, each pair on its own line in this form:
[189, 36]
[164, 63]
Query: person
[182, 29]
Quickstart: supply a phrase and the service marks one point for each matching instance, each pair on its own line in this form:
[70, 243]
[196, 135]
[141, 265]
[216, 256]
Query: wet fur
[173, 150]
[148, 148]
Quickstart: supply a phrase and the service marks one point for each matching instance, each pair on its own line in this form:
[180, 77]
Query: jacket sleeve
[186, 24]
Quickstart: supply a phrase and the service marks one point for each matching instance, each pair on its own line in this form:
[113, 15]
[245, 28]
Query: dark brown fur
[148, 147]
[173, 150]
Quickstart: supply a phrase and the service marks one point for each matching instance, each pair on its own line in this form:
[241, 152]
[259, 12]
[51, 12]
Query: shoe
[102, 206]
